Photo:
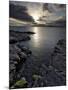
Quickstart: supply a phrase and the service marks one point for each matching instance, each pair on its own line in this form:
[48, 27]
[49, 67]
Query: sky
[41, 13]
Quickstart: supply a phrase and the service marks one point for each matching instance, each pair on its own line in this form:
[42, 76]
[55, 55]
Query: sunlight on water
[36, 37]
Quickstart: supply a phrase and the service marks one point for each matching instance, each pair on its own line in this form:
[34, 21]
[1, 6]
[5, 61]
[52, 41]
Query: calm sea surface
[43, 42]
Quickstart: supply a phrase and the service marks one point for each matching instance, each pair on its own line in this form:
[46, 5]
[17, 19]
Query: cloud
[54, 7]
[54, 11]
[19, 12]
[34, 8]
[44, 12]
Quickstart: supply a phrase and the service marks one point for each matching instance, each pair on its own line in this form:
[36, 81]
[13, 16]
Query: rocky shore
[26, 72]
[17, 54]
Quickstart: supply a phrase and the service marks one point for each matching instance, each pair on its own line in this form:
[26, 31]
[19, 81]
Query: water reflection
[36, 36]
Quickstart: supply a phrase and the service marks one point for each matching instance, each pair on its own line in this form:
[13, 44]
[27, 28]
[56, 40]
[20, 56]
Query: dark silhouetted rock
[12, 40]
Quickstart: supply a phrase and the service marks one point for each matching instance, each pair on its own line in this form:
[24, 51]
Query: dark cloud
[53, 7]
[46, 7]
[61, 5]
[19, 12]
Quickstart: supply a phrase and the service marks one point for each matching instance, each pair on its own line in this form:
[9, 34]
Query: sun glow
[36, 17]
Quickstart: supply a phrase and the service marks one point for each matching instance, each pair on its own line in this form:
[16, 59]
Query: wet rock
[62, 42]
[16, 54]
[12, 40]
[22, 55]
[14, 49]
[23, 32]
[13, 62]
[12, 67]
[14, 57]
[25, 50]
[17, 37]
[29, 32]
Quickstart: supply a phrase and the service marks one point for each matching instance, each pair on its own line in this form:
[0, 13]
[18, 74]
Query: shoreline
[36, 26]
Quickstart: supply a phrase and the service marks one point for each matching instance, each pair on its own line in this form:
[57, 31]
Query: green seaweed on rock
[21, 83]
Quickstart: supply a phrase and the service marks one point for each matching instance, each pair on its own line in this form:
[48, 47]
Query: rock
[59, 56]
[25, 50]
[13, 62]
[18, 36]
[29, 32]
[12, 40]
[12, 67]
[14, 49]
[16, 54]
[14, 57]
[22, 55]
[56, 50]
[11, 78]
[25, 32]
[62, 42]
[36, 77]
[12, 75]
[59, 62]
[24, 38]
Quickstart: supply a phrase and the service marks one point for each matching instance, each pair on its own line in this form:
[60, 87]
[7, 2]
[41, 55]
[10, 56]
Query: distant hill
[59, 23]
